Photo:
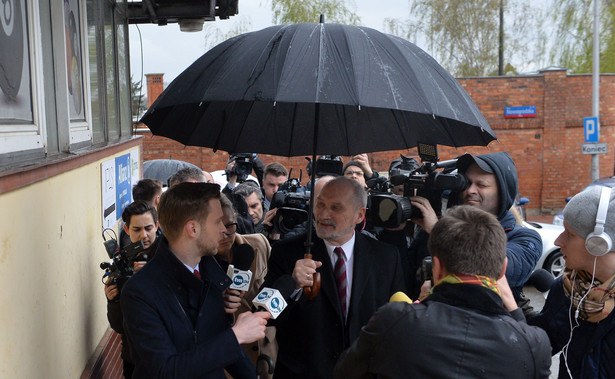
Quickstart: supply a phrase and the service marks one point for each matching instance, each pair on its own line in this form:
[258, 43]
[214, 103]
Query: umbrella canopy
[163, 169]
[317, 88]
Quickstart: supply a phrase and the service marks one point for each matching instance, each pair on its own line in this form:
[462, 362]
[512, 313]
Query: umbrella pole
[312, 291]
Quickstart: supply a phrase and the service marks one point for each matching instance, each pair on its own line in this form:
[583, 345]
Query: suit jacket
[176, 323]
[312, 334]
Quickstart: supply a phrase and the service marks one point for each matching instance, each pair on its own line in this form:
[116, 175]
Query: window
[67, 85]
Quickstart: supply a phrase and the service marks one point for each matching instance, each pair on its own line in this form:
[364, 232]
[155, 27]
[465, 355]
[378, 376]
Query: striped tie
[340, 277]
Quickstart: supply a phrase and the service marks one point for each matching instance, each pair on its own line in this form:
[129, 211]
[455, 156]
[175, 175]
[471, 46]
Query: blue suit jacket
[176, 323]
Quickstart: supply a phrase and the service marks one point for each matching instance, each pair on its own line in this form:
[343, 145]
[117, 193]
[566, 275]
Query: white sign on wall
[107, 172]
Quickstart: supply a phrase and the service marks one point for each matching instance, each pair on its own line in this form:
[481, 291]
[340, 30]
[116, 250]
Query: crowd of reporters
[381, 255]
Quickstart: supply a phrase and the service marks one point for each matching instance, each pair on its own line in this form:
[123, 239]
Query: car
[551, 259]
[558, 219]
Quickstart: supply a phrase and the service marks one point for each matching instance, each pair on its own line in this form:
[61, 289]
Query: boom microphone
[400, 297]
[242, 261]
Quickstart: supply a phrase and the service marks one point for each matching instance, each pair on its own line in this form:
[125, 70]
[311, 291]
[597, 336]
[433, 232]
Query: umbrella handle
[311, 292]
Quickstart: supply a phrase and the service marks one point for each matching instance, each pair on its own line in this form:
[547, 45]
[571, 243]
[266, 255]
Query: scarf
[598, 300]
[483, 281]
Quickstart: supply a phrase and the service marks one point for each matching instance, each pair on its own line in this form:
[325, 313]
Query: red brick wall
[546, 148]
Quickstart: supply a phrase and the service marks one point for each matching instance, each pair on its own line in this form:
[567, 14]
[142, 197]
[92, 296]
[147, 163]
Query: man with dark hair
[147, 190]
[358, 169]
[140, 224]
[174, 306]
[188, 174]
[464, 328]
[358, 274]
[274, 176]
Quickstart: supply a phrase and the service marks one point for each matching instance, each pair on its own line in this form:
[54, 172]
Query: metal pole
[595, 167]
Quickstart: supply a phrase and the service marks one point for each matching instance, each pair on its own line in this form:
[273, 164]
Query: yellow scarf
[484, 281]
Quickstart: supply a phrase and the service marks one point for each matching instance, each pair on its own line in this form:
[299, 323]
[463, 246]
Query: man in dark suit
[174, 308]
[359, 274]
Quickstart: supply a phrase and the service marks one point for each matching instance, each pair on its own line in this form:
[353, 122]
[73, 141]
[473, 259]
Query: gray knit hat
[580, 212]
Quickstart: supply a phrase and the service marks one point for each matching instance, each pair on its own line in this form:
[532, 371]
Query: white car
[551, 258]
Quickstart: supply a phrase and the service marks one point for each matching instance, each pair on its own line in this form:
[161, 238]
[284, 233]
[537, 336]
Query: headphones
[598, 243]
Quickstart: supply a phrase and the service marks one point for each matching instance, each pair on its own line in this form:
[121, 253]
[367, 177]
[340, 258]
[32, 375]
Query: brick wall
[546, 148]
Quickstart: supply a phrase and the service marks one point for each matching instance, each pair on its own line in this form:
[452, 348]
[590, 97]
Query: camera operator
[492, 187]
[235, 173]
[141, 224]
[358, 169]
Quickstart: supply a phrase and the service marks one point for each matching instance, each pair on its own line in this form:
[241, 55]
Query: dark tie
[197, 273]
[340, 277]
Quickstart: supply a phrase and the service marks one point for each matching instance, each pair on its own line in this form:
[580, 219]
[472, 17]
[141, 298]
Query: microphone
[242, 261]
[541, 279]
[270, 300]
[400, 297]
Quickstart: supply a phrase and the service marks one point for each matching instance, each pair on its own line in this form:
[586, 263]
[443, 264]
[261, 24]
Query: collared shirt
[192, 269]
[348, 248]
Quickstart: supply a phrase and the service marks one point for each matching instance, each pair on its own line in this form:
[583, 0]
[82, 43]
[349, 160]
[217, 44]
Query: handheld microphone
[270, 300]
[541, 279]
[400, 297]
[242, 261]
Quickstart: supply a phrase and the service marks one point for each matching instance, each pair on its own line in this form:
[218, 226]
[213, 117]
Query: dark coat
[460, 331]
[311, 333]
[176, 323]
[591, 353]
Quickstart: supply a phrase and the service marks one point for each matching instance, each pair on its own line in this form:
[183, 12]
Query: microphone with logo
[239, 271]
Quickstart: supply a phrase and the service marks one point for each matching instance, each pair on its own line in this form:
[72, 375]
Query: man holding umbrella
[359, 274]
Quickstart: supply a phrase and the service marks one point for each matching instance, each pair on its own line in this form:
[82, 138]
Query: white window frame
[24, 137]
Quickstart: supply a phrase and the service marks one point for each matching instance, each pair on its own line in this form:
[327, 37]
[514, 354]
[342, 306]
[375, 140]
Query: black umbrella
[316, 89]
[163, 169]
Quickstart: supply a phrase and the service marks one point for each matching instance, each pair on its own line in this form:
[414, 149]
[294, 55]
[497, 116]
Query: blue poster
[123, 184]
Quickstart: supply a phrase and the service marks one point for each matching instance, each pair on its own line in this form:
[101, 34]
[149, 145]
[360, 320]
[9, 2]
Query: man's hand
[429, 215]
[232, 300]
[231, 178]
[111, 291]
[363, 162]
[250, 327]
[137, 265]
[269, 216]
[425, 290]
[507, 296]
[304, 270]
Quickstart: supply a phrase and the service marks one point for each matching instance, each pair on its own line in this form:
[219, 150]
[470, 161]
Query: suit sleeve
[355, 362]
[151, 341]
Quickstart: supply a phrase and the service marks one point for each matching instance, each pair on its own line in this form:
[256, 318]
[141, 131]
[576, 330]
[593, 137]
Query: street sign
[520, 112]
[594, 148]
[590, 126]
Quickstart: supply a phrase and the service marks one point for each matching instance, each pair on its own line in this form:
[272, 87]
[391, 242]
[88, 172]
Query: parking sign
[590, 126]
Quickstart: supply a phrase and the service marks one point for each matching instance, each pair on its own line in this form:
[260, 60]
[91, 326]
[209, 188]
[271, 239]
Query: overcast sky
[167, 50]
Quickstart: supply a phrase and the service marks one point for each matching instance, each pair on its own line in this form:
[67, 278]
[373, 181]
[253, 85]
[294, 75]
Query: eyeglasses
[230, 229]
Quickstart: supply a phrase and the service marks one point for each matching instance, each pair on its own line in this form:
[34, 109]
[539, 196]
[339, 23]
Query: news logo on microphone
[241, 280]
[270, 300]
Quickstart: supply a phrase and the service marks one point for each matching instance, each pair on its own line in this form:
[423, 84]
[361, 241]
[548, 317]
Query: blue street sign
[590, 127]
